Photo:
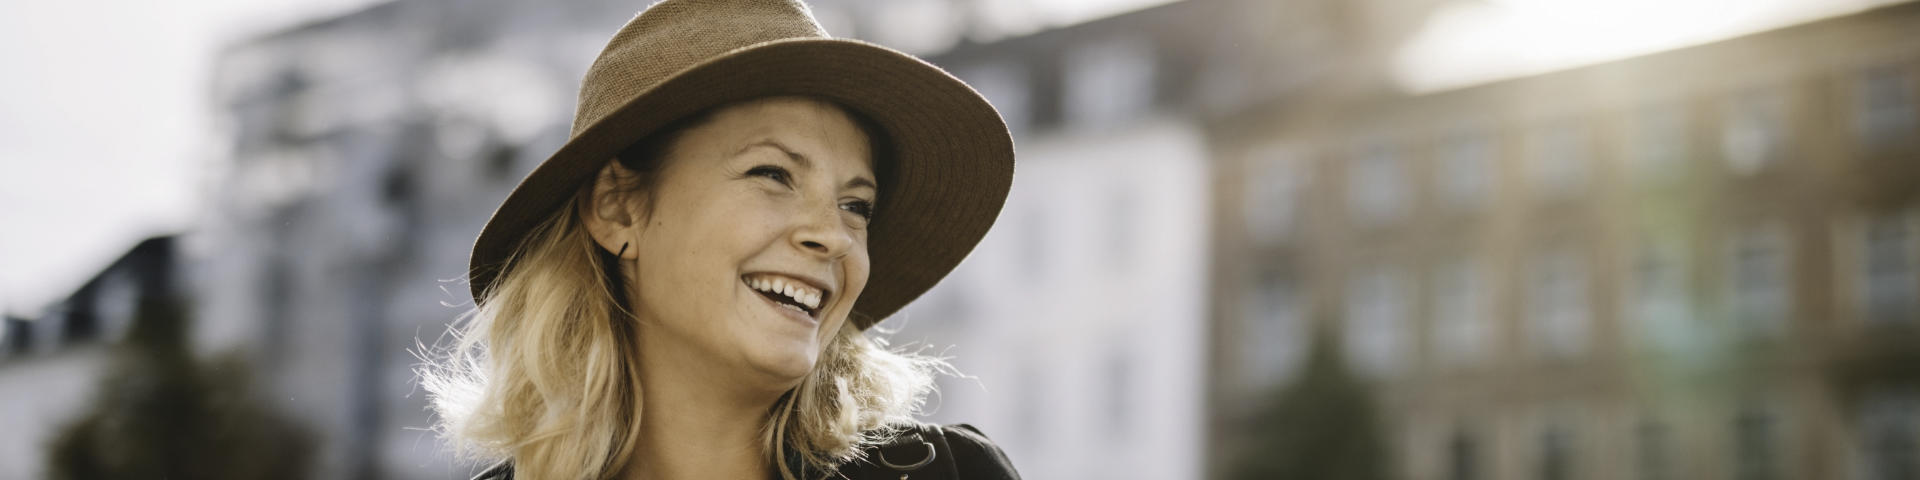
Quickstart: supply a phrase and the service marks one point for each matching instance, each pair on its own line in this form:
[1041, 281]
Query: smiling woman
[683, 289]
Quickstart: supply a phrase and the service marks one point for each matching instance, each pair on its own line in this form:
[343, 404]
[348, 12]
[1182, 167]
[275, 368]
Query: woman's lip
[782, 309]
[826, 292]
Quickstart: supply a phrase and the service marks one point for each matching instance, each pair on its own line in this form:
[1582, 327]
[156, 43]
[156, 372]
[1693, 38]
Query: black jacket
[958, 452]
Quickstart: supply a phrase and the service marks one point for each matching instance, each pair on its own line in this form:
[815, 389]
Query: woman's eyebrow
[797, 158]
[860, 181]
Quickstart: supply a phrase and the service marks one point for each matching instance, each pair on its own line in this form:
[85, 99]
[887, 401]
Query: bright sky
[105, 130]
[1474, 42]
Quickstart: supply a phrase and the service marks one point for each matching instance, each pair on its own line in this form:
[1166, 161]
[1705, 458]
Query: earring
[623, 250]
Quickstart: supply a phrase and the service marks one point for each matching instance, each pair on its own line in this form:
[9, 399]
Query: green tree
[1321, 426]
[158, 413]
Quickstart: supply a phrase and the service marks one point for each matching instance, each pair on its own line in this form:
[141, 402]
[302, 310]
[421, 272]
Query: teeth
[798, 292]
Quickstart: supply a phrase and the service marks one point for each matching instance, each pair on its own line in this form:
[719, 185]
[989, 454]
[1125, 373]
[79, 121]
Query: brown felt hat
[949, 165]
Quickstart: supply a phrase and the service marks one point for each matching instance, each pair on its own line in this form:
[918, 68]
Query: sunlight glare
[1476, 42]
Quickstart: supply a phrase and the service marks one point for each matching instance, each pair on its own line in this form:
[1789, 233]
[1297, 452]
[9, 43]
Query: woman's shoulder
[935, 452]
[976, 453]
[930, 451]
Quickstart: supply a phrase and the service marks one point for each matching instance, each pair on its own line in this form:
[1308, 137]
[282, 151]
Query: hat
[951, 158]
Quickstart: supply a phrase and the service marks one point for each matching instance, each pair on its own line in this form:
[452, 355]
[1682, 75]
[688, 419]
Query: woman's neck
[695, 421]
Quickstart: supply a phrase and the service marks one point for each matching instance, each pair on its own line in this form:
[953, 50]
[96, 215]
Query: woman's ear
[612, 210]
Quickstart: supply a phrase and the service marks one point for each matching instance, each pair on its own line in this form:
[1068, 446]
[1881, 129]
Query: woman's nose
[822, 232]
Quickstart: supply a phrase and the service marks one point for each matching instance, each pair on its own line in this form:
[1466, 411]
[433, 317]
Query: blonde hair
[534, 373]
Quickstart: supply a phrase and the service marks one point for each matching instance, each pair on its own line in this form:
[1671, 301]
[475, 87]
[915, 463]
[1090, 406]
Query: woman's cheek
[858, 270]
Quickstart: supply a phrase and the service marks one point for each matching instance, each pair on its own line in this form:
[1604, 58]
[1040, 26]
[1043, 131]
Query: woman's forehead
[810, 131]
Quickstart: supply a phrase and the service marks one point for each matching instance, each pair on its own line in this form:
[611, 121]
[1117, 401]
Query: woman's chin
[786, 362]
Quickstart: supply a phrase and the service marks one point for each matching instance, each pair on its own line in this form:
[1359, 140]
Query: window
[1759, 292]
[1754, 446]
[117, 301]
[1890, 435]
[1109, 82]
[1660, 293]
[18, 333]
[1653, 450]
[1557, 303]
[1558, 158]
[399, 188]
[1463, 456]
[1005, 85]
[1890, 267]
[46, 335]
[1275, 334]
[82, 321]
[1276, 177]
[501, 161]
[1754, 131]
[1660, 141]
[1556, 453]
[1376, 321]
[278, 293]
[1465, 170]
[1377, 185]
[1884, 106]
[1461, 325]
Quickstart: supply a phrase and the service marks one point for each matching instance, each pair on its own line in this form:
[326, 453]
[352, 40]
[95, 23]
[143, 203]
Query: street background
[1247, 239]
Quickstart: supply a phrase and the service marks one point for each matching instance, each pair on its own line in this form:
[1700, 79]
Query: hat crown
[674, 35]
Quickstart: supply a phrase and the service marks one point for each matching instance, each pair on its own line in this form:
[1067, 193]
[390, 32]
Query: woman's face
[756, 246]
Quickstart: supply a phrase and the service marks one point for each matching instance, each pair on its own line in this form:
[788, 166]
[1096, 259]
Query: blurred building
[1700, 263]
[367, 149]
[1082, 314]
[51, 364]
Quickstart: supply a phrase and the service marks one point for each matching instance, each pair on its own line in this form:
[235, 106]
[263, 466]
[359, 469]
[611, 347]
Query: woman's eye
[862, 208]
[772, 172]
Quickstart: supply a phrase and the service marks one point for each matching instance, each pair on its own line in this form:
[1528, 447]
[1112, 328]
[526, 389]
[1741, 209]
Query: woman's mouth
[787, 292]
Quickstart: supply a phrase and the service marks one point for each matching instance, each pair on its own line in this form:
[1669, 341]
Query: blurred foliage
[159, 413]
[1323, 425]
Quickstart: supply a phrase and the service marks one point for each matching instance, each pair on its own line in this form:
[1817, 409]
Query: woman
[681, 290]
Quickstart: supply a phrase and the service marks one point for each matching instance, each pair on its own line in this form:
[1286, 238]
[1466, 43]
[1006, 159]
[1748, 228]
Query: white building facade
[1080, 321]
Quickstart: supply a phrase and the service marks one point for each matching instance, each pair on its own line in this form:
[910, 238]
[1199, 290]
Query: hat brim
[951, 159]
